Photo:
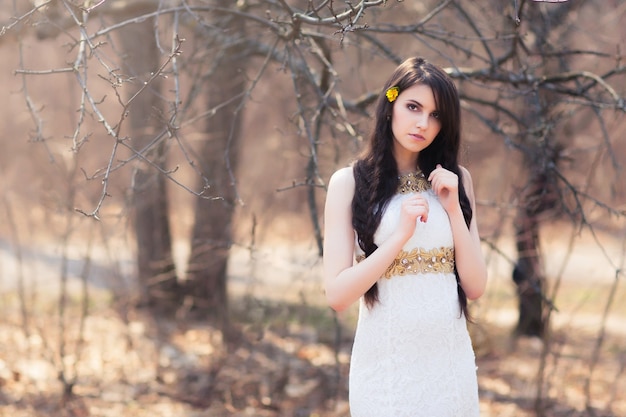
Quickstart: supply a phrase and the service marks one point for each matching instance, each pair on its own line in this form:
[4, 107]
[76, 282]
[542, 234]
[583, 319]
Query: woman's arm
[468, 256]
[344, 281]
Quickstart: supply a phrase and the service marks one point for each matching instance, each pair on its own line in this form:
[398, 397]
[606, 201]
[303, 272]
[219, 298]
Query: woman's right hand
[414, 208]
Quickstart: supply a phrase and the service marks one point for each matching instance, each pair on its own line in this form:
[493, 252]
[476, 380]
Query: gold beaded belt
[436, 261]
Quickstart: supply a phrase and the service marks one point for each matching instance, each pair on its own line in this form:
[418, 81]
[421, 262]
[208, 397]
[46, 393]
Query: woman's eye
[436, 115]
[412, 107]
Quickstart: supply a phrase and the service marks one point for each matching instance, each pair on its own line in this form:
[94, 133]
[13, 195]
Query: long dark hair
[376, 171]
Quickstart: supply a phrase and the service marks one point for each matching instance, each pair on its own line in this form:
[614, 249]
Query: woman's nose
[422, 120]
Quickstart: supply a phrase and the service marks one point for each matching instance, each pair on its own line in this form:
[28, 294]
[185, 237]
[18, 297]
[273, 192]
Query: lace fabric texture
[412, 355]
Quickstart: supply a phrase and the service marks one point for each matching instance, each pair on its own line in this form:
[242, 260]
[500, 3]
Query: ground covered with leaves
[132, 364]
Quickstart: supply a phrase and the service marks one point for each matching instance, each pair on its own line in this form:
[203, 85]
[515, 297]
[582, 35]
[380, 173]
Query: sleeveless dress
[412, 355]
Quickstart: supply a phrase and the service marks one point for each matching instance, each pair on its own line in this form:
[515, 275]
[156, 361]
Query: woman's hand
[414, 208]
[446, 185]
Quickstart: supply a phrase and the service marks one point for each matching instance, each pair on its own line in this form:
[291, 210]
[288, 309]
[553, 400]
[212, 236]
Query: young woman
[401, 238]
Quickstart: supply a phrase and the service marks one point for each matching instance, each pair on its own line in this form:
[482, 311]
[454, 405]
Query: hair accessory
[392, 93]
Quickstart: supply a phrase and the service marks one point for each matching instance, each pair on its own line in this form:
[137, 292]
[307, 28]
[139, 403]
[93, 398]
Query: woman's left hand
[446, 185]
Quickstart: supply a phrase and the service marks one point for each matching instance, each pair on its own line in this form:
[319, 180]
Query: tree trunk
[542, 153]
[156, 271]
[538, 200]
[212, 232]
[528, 272]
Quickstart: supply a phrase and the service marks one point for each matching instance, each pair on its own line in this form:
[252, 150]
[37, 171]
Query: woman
[403, 211]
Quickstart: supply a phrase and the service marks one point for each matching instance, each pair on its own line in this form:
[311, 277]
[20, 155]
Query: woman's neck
[406, 163]
[407, 168]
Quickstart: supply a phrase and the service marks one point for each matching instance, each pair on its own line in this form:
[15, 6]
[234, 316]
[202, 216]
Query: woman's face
[414, 122]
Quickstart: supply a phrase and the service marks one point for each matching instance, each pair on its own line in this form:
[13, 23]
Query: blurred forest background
[162, 180]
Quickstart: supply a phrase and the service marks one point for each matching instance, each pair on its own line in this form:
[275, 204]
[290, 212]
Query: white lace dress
[412, 355]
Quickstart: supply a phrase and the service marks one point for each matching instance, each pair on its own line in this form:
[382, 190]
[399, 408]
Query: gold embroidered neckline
[413, 182]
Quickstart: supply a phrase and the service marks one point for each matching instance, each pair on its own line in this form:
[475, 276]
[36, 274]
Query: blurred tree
[155, 264]
[542, 150]
[225, 33]
[517, 74]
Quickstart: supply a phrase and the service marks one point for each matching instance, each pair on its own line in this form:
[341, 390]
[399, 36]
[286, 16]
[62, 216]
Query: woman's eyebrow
[410, 100]
[415, 102]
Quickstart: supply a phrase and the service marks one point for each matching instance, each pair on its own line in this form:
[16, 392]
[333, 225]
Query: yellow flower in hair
[392, 94]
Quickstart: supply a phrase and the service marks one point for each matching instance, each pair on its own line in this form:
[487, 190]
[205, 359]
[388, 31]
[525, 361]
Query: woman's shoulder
[464, 170]
[467, 183]
[340, 192]
[342, 178]
[466, 176]
[341, 185]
